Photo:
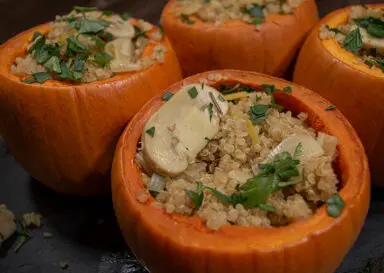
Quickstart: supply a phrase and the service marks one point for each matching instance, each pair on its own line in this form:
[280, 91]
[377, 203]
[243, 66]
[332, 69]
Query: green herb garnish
[139, 33]
[329, 108]
[258, 113]
[84, 9]
[335, 30]
[107, 13]
[91, 26]
[198, 196]
[42, 77]
[102, 59]
[53, 64]
[226, 90]
[43, 52]
[298, 150]
[193, 92]
[374, 26]
[79, 63]
[151, 131]
[74, 46]
[185, 18]
[210, 110]
[257, 21]
[167, 96]
[335, 205]
[22, 231]
[266, 207]
[126, 15]
[287, 89]
[268, 88]
[255, 11]
[36, 35]
[353, 41]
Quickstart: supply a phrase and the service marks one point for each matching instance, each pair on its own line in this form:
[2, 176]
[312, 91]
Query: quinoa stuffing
[220, 11]
[89, 45]
[258, 166]
[362, 34]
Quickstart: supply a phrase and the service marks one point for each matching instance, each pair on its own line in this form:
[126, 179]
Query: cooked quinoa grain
[362, 34]
[231, 159]
[220, 11]
[87, 46]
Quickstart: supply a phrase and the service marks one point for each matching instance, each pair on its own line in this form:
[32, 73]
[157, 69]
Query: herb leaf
[266, 207]
[44, 52]
[374, 26]
[198, 196]
[287, 89]
[193, 92]
[185, 18]
[139, 33]
[225, 90]
[84, 9]
[91, 26]
[255, 11]
[102, 59]
[210, 110]
[126, 15]
[329, 108]
[335, 205]
[167, 96]
[74, 46]
[79, 64]
[258, 113]
[151, 131]
[335, 30]
[42, 77]
[353, 41]
[298, 150]
[53, 65]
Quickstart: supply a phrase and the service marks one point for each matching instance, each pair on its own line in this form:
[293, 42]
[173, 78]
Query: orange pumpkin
[176, 243]
[358, 91]
[238, 45]
[64, 135]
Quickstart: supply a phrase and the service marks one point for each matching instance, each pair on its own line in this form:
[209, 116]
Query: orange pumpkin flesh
[65, 134]
[238, 45]
[176, 243]
[358, 91]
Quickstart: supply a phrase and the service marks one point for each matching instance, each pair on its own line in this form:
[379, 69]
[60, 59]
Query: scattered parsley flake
[167, 96]
[193, 92]
[329, 108]
[151, 131]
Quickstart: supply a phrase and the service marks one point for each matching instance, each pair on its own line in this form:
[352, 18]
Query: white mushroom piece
[7, 223]
[179, 130]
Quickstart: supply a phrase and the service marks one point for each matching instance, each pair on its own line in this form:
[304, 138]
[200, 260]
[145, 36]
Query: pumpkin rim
[11, 49]
[231, 23]
[190, 231]
[333, 48]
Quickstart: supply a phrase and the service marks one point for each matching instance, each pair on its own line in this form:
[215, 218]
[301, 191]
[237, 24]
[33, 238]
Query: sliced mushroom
[124, 30]
[7, 224]
[370, 41]
[310, 147]
[181, 127]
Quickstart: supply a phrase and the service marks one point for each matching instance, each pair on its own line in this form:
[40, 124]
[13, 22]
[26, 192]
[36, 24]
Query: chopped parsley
[353, 41]
[287, 89]
[255, 191]
[193, 92]
[198, 196]
[210, 110]
[229, 90]
[329, 108]
[139, 33]
[167, 96]
[298, 150]
[39, 77]
[53, 65]
[258, 113]
[266, 207]
[102, 59]
[185, 18]
[335, 30]
[151, 131]
[335, 205]
[126, 15]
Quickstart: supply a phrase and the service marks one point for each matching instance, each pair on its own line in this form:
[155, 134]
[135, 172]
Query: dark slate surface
[85, 233]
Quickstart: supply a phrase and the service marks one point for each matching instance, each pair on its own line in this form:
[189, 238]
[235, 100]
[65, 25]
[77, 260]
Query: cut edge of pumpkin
[261, 239]
[332, 46]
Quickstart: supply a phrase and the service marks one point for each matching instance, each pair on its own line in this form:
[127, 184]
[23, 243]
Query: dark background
[85, 234]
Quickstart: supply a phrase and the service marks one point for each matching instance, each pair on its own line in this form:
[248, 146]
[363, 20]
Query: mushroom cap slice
[181, 128]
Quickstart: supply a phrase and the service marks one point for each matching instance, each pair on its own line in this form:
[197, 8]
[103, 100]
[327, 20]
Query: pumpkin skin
[326, 68]
[64, 135]
[175, 243]
[237, 45]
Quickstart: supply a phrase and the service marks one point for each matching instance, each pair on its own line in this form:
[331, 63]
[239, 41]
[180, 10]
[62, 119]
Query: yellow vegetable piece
[236, 96]
[253, 133]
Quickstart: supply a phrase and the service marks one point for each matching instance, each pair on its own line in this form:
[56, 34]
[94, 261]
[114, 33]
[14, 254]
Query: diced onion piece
[236, 96]
[253, 133]
[157, 183]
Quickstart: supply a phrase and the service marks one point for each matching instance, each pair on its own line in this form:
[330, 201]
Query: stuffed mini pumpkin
[251, 174]
[343, 60]
[261, 36]
[68, 88]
